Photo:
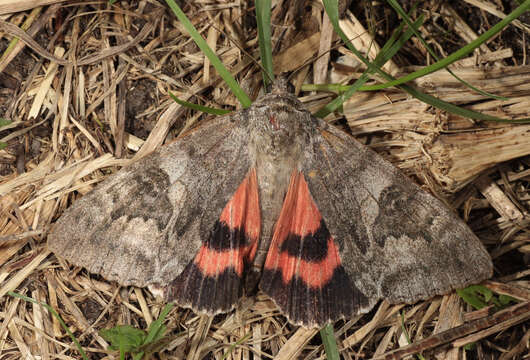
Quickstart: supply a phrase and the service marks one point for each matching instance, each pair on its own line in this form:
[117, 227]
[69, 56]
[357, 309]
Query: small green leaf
[480, 296]
[157, 328]
[477, 296]
[469, 346]
[155, 340]
[506, 300]
[4, 122]
[125, 338]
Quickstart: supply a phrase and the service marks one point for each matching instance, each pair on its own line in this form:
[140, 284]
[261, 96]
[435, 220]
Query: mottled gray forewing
[145, 223]
[396, 241]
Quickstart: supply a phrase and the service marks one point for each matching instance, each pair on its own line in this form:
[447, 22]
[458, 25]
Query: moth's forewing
[145, 224]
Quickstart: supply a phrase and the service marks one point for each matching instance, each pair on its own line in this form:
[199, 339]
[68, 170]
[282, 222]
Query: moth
[275, 199]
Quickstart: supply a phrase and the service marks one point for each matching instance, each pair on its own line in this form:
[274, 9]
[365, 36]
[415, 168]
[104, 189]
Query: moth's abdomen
[273, 181]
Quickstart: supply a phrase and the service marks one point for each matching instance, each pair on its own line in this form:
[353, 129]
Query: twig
[514, 314]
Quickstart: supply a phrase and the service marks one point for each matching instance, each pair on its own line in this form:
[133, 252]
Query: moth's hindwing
[212, 282]
[303, 272]
[143, 225]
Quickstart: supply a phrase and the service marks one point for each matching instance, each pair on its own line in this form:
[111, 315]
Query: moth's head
[281, 85]
[280, 93]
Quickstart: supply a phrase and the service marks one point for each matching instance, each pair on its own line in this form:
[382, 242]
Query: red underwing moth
[273, 198]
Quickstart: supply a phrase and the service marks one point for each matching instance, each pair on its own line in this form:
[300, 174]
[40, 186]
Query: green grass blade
[407, 336]
[25, 26]
[329, 342]
[417, 94]
[233, 346]
[198, 107]
[456, 109]
[4, 122]
[331, 6]
[339, 100]
[495, 29]
[391, 47]
[57, 316]
[263, 17]
[407, 19]
[208, 52]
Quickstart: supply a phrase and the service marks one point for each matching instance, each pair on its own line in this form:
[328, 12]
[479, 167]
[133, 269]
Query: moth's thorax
[280, 130]
[279, 126]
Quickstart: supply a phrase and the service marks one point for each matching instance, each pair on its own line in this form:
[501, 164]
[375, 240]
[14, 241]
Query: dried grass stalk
[451, 149]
